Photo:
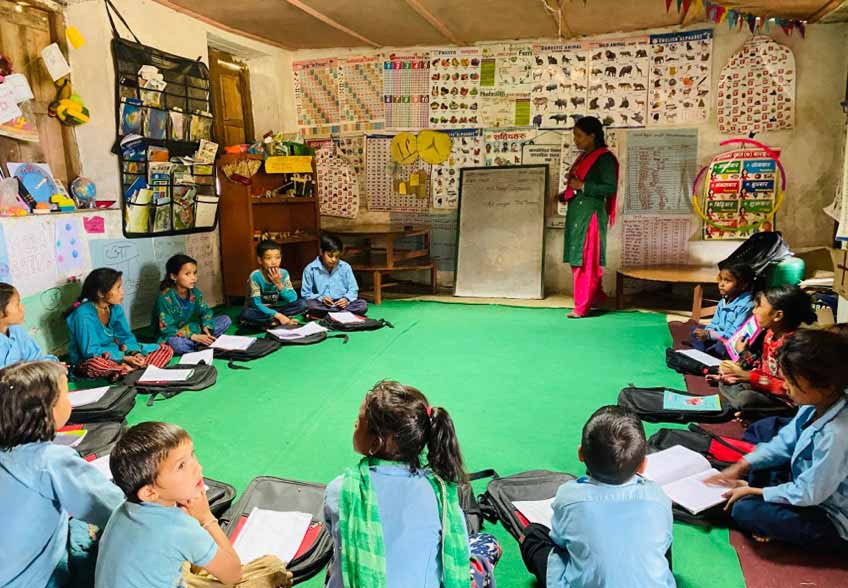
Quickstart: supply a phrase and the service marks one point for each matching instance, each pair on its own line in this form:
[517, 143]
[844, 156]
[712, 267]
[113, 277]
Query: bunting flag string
[716, 13]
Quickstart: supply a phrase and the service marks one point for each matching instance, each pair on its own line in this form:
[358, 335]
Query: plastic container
[788, 272]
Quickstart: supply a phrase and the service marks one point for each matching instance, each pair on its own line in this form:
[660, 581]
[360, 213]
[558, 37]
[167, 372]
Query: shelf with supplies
[254, 208]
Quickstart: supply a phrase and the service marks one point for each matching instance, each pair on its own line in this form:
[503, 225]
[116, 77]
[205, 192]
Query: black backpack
[220, 496]
[99, 439]
[683, 364]
[720, 451]
[114, 406]
[759, 251]
[366, 324]
[647, 403]
[308, 340]
[203, 376]
[287, 495]
[474, 516]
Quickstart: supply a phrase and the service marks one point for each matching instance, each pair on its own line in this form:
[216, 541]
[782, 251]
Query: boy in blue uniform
[271, 300]
[734, 308]
[329, 284]
[611, 527]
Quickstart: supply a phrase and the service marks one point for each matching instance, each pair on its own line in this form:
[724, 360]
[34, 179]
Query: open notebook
[271, 532]
[680, 472]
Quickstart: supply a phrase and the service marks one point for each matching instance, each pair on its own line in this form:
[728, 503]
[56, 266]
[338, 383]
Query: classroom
[423, 293]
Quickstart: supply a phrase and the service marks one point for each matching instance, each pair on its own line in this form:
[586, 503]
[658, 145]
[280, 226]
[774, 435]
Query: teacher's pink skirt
[587, 278]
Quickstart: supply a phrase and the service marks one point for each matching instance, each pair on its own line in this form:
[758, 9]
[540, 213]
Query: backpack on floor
[203, 376]
[366, 324]
[114, 406]
[469, 504]
[720, 451]
[647, 403]
[683, 364]
[259, 348]
[278, 494]
[99, 438]
[220, 496]
[308, 340]
[498, 500]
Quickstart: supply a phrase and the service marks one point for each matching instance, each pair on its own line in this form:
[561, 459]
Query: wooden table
[671, 274]
[376, 253]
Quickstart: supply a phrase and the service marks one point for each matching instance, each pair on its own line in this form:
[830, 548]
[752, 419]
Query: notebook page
[673, 464]
[692, 494]
[298, 333]
[707, 360]
[101, 464]
[536, 511]
[196, 357]
[345, 317]
[86, 397]
[269, 532]
[155, 374]
[232, 342]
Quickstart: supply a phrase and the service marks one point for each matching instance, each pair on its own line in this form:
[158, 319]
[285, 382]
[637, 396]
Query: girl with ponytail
[395, 518]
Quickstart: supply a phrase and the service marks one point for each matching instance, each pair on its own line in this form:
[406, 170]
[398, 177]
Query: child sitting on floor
[43, 484]
[734, 285]
[271, 300]
[183, 319]
[15, 343]
[392, 516]
[102, 344]
[329, 284]
[611, 527]
[779, 311]
[805, 498]
[165, 520]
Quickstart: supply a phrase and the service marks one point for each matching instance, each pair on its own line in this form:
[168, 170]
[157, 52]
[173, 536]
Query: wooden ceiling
[314, 24]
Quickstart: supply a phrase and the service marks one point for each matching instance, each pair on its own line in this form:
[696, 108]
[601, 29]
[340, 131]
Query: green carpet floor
[519, 383]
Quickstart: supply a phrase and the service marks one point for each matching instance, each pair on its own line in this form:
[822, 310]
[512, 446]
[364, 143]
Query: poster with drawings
[756, 89]
[514, 70]
[505, 147]
[467, 151]
[559, 90]
[499, 109]
[618, 81]
[391, 186]
[680, 77]
[455, 88]
[338, 188]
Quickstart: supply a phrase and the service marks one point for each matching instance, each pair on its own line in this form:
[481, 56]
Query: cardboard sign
[291, 164]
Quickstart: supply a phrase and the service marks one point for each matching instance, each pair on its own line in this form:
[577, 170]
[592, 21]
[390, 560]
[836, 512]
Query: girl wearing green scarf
[395, 519]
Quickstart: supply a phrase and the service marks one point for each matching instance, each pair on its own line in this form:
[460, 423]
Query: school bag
[683, 364]
[308, 339]
[271, 493]
[366, 324]
[259, 348]
[720, 451]
[203, 376]
[220, 496]
[471, 507]
[497, 502]
[114, 406]
[99, 438]
[759, 251]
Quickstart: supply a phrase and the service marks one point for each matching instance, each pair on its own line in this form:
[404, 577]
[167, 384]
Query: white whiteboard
[500, 250]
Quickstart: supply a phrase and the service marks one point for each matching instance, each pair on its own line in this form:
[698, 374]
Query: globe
[84, 192]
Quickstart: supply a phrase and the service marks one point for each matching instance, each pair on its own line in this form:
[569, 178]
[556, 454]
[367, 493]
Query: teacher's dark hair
[592, 126]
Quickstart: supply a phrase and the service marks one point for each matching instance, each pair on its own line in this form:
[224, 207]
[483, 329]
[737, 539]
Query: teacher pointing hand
[591, 198]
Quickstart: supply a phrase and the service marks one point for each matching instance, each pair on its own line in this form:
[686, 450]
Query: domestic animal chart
[559, 92]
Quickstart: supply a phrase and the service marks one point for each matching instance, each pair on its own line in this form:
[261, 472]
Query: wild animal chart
[618, 81]
[681, 67]
[406, 91]
[559, 92]
[316, 93]
[361, 92]
[455, 88]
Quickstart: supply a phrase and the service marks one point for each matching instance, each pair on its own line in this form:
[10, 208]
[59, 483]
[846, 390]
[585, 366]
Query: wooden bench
[671, 274]
[377, 270]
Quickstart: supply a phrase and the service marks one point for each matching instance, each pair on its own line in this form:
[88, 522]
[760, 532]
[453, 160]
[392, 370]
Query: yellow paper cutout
[402, 188]
[434, 147]
[404, 148]
[75, 37]
[289, 164]
[413, 179]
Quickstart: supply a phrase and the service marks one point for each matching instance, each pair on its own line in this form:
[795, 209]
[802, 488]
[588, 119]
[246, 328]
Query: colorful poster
[499, 109]
[515, 68]
[741, 188]
[756, 89]
[316, 92]
[455, 88]
[361, 92]
[618, 81]
[681, 65]
[391, 186]
[466, 151]
[559, 91]
[504, 147]
[406, 91]
[655, 240]
[337, 184]
[661, 166]
[69, 247]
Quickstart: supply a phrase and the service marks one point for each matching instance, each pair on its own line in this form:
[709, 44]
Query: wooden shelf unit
[245, 209]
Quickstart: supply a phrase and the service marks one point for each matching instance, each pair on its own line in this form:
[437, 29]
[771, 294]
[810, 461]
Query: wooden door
[231, 99]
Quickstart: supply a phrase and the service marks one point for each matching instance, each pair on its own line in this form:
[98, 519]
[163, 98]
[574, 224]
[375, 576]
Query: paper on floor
[86, 397]
[232, 342]
[154, 374]
[270, 532]
[536, 511]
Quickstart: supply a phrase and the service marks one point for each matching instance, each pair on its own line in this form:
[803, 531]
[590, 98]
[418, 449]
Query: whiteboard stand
[500, 249]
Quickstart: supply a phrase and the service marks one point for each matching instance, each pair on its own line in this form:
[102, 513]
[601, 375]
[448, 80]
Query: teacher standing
[591, 198]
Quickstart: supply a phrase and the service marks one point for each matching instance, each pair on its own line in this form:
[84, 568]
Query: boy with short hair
[165, 520]
[329, 284]
[271, 300]
[611, 527]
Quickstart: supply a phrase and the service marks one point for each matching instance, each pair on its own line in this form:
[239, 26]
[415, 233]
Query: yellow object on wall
[404, 148]
[434, 147]
[289, 164]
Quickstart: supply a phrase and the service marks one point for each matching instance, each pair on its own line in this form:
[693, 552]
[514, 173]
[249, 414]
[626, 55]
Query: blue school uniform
[729, 316]
[264, 300]
[17, 345]
[318, 282]
[91, 338]
[817, 453]
[42, 484]
[613, 535]
[144, 546]
[412, 530]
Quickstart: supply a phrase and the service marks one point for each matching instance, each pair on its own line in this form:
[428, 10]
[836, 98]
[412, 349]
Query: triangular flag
[752, 22]
[786, 25]
[667, 5]
[679, 4]
[686, 5]
[768, 24]
[802, 28]
[731, 18]
[721, 13]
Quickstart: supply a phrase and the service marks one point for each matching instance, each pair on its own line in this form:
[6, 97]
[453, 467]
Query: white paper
[232, 342]
[704, 358]
[692, 494]
[655, 240]
[56, 64]
[536, 511]
[34, 261]
[269, 532]
[197, 357]
[69, 439]
[8, 105]
[155, 374]
[673, 464]
[206, 208]
[86, 397]
[20, 87]
[298, 333]
[101, 464]
[346, 318]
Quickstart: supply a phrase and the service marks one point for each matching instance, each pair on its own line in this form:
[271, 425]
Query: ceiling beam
[217, 24]
[437, 24]
[825, 10]
[330, 22]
